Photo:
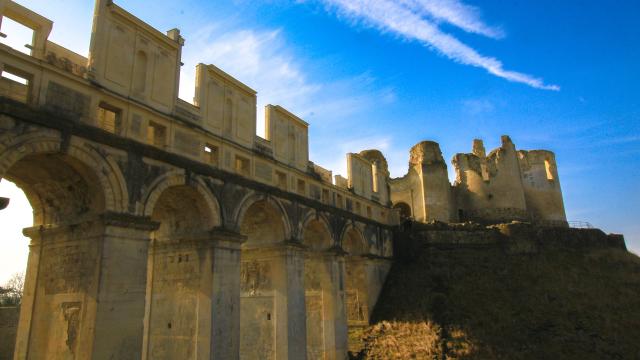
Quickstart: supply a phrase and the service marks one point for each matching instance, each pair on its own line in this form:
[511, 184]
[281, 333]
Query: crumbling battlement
[505, 185]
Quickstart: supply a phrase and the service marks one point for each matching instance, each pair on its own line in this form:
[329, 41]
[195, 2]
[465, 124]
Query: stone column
[85, 290]
[290, 304]
[338, 308]
[193, 306]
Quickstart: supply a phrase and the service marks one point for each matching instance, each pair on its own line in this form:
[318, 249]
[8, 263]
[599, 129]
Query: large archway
[404, 209]
[180, 273]
[61, 270]
[271, 285]
[75, 256]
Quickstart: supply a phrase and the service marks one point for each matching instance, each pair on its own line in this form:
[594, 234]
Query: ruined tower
[425, 190]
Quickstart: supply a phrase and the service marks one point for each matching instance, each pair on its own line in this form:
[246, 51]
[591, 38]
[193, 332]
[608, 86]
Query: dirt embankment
[515, 292]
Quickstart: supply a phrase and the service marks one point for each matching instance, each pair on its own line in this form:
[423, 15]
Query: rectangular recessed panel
[257, 328]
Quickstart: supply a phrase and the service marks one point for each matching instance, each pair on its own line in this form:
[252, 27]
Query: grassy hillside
[490, 303]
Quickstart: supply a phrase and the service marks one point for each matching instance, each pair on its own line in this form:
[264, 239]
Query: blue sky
[557, 75]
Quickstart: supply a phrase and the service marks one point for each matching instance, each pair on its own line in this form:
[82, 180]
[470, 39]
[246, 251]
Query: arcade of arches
[185, 266]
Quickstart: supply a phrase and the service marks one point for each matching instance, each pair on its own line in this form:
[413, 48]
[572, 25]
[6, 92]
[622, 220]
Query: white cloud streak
[454, 12]
[407, 19]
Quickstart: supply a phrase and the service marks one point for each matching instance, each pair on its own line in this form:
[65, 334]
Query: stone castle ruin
[506, 185]
[165, 229]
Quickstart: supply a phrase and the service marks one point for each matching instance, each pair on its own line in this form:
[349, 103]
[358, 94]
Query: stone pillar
[335, 317]
[193, 307]
[273, 313]
[85, 290]
[290, 305]
[225, 296]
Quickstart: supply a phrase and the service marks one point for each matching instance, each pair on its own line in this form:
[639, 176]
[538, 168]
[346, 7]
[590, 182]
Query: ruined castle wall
[471, 190]
[490, 189]
[435, 181]
[437, 192]
[426, 188]
[360, 175]
[408, 190]
[541, 186]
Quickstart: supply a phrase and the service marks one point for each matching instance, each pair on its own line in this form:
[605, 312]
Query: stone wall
[514, 237]
[8, 329]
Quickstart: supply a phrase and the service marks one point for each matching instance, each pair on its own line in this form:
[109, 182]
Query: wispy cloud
[417, 20]
[456, 13]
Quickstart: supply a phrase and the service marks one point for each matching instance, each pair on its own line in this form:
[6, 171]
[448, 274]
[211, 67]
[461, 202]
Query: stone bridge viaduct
[164, 229]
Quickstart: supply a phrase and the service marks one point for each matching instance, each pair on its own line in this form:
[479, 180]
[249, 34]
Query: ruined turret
[541, 186]
[489, 188]
[425, 190]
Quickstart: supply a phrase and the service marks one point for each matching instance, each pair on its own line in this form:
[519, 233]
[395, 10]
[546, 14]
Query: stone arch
[56, 178]
[182, 207]
[315, 232]
[404, 209]
[177, 179]
[269, 267]
[78, 193]
[353, 241]
[274, 208]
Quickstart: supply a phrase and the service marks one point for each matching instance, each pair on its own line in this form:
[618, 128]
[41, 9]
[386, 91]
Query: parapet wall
[514, 237]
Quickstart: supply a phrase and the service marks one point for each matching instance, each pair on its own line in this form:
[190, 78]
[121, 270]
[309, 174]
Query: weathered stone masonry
[165, 229]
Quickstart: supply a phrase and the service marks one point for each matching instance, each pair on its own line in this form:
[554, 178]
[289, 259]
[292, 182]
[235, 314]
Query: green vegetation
[491, 304]
[11, 292]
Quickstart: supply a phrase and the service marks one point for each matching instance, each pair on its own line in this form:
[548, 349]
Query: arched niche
[263, 223]
[353, 242]
[182, 211]
[404, 209]
[316, 235]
